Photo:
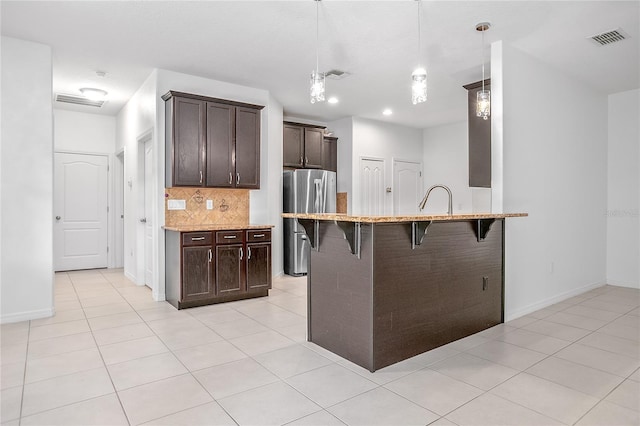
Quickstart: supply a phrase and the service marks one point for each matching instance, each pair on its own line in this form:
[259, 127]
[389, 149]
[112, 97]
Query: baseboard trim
[158, 297]
[28, 315]
[517, 313]
[623, 283]
[130, 277]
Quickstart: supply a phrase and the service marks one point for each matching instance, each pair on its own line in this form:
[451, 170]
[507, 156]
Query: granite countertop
[391, 219]
[213, 227]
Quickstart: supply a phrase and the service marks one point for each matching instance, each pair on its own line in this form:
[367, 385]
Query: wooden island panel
[395, 301]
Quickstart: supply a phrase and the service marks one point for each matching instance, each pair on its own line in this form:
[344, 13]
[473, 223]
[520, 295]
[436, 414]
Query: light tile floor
[112, 356]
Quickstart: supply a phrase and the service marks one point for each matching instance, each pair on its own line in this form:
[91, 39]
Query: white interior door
[371, 186]
[148, 213]
[80, 210]
[407, 187]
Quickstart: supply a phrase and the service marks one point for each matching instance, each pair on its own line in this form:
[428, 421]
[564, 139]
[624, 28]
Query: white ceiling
[271, 45]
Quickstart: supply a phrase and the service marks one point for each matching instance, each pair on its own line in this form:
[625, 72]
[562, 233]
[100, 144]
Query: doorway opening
[145, 203]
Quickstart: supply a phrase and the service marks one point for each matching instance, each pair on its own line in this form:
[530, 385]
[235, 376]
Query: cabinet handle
[200, 176]
[237, 178]
[230, 178]
[248, 253]
[210, 256]
[258, 235]
[240, 253]
[197, 238]
[301, 160]
[229, 237]
[306, 160]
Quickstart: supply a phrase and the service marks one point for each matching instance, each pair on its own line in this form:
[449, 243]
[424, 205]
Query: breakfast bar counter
[382, 289]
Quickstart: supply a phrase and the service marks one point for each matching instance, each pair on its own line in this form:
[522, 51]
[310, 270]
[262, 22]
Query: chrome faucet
[424, 200]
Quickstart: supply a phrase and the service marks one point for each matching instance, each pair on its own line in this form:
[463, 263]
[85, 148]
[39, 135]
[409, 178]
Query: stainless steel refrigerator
[304, 191]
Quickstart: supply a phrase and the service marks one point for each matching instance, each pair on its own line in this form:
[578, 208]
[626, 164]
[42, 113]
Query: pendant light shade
[419, 75]
[483, 105]
[419, 86]
[317, 86]
[317, 77]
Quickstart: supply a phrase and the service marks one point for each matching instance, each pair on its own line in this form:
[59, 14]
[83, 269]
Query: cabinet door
[330, 154]
[188, 142]
[196, 273]
[293, 146]
[219, 152]
[479, 144]
[229, 270]
[313, 141]
[258, 266]
[247, 148]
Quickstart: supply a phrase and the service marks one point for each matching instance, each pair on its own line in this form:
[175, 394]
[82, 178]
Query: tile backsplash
[230, 206]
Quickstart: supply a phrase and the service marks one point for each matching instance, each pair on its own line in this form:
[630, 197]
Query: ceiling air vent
[78, 100]
[609, 37]
[336, 74]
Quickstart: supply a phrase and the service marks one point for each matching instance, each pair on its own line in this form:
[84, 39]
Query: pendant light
[317, 77]
[419, 75]
[483, 106]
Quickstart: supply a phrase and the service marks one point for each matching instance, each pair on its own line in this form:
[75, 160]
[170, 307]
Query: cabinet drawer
[258, 235]
[228, 237]
[197, 238]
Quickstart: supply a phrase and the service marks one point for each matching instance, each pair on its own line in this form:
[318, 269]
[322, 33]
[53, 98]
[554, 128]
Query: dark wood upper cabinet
[479, 139]
[247, 148]
[303, 146]
[185, 122]
[330, 153]
[220, 128]
[293, 146]
[211, 142]
[313, 140]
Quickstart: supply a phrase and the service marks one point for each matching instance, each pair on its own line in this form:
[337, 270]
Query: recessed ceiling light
[387, 112]
[333, 100]
[93, 94]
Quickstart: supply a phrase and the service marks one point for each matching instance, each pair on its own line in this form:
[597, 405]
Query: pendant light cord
[482, 50]
[317, 36]
[419, 32]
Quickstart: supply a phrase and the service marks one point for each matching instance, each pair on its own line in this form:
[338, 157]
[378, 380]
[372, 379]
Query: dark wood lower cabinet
[229, 273]
[197, 279]
[258, 266]
[209, 267]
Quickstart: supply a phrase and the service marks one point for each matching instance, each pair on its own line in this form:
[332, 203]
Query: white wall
[135, 119]
[144, 112]
[85, 133]
[554, 149]
[387, 141]
[623, 184]
[446, 162]
[343, 130]
[26, 173]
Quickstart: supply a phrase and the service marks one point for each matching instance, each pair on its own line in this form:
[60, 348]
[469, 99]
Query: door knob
[143, 220]
[58, 218]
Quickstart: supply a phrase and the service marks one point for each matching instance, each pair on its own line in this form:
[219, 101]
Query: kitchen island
[382, 289]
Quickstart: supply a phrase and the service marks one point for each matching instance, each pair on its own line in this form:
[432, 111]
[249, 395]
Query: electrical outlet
[209, 204]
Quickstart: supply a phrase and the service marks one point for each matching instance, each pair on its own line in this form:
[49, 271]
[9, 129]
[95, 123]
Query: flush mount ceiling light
[419, 75]
[93, 94]
[387, 111]
[317, 78]
[332, 100]
[483, 105]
